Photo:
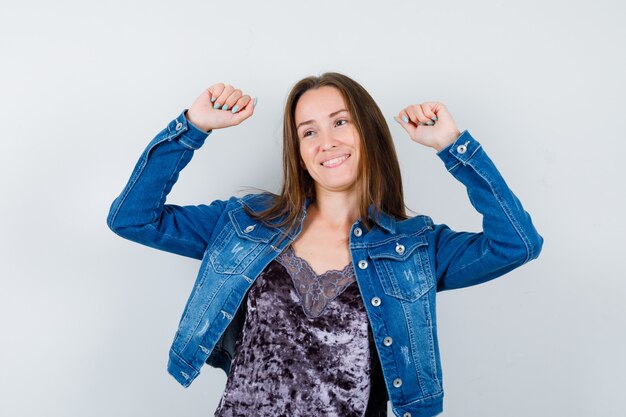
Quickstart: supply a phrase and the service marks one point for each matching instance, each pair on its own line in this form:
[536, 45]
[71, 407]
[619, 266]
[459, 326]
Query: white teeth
[335, 160]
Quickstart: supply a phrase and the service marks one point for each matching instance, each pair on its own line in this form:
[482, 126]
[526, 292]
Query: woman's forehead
[319, 103]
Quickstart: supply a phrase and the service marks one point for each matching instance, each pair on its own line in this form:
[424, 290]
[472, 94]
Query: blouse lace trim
[315, 291]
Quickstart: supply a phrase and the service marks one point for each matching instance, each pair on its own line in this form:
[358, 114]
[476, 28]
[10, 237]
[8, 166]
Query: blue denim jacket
[399, 265]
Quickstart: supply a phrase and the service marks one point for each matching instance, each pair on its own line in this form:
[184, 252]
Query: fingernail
[430, 123]
[225, 107]
[420, 124]
[406, 119]
[213, 99]
[234, 110]
[255, 100]
[216, 106]
[434, 118]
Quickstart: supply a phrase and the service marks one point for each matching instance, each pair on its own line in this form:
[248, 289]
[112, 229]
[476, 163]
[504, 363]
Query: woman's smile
[335, 162]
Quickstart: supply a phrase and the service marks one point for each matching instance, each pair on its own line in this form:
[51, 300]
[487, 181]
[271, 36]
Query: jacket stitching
[180, 358]
[480, 258]
[416, 364]
[394, 238]
[174, 171]
[507, 210]
[200, 248]
[205, 307]
[133, 181]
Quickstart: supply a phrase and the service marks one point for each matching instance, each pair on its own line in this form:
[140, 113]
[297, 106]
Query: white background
[87, 318]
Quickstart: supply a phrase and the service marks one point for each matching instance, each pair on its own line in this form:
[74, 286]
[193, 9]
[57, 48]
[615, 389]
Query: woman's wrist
[195, 123]
[438, 146]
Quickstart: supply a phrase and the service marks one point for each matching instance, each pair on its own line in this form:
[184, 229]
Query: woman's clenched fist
[429, 123]
[220, 106]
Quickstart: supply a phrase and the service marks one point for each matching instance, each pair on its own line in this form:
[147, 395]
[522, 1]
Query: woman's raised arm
[140, 214]
[509, 238]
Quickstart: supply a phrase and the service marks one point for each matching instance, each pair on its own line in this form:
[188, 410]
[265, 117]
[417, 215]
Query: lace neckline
[315, 291]
[344, 271]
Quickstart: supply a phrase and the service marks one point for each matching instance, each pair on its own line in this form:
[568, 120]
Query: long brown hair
[378, 182]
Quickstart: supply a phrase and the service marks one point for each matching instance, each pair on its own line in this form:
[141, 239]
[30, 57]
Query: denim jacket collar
[382, 219]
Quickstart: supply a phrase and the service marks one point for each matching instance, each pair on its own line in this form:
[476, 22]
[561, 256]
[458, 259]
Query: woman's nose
[327, 141]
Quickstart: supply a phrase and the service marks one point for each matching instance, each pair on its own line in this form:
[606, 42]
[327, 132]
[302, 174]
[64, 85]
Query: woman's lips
[335, 162]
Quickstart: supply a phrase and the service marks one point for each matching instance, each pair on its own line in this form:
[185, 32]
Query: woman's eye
[310, 131]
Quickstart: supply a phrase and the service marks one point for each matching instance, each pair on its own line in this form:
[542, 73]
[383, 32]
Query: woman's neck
[336, 209]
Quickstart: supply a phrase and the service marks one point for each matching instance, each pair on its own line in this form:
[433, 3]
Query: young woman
[320, 300]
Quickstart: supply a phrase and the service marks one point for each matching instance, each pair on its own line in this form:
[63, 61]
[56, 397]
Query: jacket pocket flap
[399, 249]
[249, 228]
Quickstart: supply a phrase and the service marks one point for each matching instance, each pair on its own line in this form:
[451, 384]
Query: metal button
[179, 126]
[362, 264]
[462, 148]
[387, 341]
[358, 232]
[249, 229]
[375, 301]
[399, 248]
[397, 382]
[407, 414]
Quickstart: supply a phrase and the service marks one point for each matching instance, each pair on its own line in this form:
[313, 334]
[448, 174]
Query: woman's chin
[336, 186]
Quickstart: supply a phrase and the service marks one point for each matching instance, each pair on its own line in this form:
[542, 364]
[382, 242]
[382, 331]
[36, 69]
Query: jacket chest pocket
[239, 243]
[403, 267]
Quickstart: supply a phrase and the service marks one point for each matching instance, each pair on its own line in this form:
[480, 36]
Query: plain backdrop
[87, 318]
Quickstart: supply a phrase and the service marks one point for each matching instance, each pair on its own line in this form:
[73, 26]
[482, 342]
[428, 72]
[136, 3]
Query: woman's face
[329, 141]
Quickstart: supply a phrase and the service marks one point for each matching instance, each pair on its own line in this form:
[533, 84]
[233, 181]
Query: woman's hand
[429, 124]
[220, 106]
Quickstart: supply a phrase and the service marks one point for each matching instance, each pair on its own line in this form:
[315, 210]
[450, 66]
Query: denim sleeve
[140, 214]
[509, 238]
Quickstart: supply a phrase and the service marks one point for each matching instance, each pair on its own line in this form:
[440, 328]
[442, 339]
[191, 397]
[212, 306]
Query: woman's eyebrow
[329, 116]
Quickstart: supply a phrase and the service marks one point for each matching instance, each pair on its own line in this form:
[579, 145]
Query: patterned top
[306, 347]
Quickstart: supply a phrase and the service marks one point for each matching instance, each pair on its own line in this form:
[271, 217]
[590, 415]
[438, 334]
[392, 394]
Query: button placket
[375, 300]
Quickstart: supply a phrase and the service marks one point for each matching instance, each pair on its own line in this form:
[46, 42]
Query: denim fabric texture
[399, 265]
